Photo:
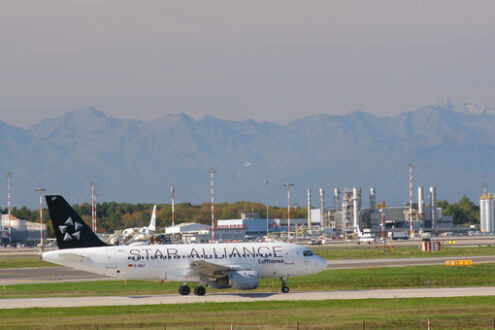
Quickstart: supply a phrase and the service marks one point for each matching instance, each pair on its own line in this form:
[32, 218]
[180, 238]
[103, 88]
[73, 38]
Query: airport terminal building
[23, 232]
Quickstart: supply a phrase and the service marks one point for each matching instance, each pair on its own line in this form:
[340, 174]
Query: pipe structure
[433, 206]
[336, 199]
[355, 209]
[372, 198]
[421, 204]
[360, 200]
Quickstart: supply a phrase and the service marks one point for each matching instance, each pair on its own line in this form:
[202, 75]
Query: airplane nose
[322, 264]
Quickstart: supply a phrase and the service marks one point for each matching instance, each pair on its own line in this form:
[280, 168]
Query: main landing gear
[184, 290]
[199, 290]
[285, 288]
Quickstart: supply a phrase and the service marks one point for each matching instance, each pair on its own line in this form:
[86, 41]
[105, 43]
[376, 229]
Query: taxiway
[244, 297]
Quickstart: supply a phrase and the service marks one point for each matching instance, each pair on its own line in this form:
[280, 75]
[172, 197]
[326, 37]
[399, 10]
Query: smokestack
[372, 198]
[322, 206]
[433, 208]
[421, 203]
[360, 200]
[336, 199]
[355, 208]
[309, 208]
[411, 230]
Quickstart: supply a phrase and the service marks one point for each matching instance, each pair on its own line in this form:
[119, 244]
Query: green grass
[340, 279]
[444, 313]
[371, 251]
[23, 262]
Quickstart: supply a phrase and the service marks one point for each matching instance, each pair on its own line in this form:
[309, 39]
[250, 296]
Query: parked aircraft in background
[219, 265]
[365, 237]
[135, 235]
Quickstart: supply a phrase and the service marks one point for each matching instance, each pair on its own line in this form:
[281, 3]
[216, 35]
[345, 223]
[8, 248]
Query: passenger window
[307, 253]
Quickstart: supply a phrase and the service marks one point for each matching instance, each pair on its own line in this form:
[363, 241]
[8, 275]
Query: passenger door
[111, 262]
[289, 257]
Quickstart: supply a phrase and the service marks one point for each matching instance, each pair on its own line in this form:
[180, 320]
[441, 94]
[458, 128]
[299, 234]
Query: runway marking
[245, 297]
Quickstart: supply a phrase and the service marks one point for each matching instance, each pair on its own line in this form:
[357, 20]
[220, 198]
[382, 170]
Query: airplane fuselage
[173, 262]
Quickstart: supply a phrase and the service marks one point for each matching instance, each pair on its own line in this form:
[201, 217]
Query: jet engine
[241, 279]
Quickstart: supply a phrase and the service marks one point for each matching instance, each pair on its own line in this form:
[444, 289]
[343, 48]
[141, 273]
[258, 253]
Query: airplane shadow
[256, 294]
[246, 295]
[139, 297]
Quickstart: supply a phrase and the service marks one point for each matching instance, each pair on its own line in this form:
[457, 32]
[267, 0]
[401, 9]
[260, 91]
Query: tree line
[465, 212]
[115, 216]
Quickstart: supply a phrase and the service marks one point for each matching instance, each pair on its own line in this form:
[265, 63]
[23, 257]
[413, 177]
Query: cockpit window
[308, 253]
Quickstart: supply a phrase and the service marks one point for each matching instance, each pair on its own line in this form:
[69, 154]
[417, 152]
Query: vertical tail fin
[70, 230]
[152, 225]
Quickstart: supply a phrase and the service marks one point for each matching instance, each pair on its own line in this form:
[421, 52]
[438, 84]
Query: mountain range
[452, 147]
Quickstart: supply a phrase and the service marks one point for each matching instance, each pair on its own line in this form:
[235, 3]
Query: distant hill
[453, 148]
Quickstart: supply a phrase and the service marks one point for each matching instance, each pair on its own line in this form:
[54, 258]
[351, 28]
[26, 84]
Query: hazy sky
[266, 60]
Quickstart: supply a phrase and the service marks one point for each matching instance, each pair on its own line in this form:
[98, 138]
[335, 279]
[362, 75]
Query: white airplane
[135, 235]
[219, 265]
[142, 234]
[365, 237]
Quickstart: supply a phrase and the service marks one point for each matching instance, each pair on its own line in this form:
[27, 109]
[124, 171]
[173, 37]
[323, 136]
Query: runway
[61, 274]
[244, 297]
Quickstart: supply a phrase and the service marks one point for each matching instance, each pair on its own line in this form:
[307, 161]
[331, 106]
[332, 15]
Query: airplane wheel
[199, 290]
[184, 290]
[285, 289]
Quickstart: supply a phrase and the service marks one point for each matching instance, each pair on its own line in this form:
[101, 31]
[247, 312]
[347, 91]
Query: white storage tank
[486, 213]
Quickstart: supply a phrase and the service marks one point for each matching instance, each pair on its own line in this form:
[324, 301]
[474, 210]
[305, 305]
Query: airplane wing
[211, 269]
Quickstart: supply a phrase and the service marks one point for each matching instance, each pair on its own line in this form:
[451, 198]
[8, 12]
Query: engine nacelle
[241, 279]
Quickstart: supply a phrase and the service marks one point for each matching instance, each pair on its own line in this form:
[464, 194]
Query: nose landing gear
[285, 288]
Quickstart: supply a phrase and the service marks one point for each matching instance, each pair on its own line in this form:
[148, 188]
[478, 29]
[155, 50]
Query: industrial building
[22, 232]
[190, 232]
[348, 214]
[255, 226]
[199, 233]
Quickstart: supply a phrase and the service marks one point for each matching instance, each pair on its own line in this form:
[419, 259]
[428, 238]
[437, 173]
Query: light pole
[266, 182]
[9, 183]
[212, 171]
[288, 185]
[172, 190]
[411, 230]
[41, 216]
[93, 206]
